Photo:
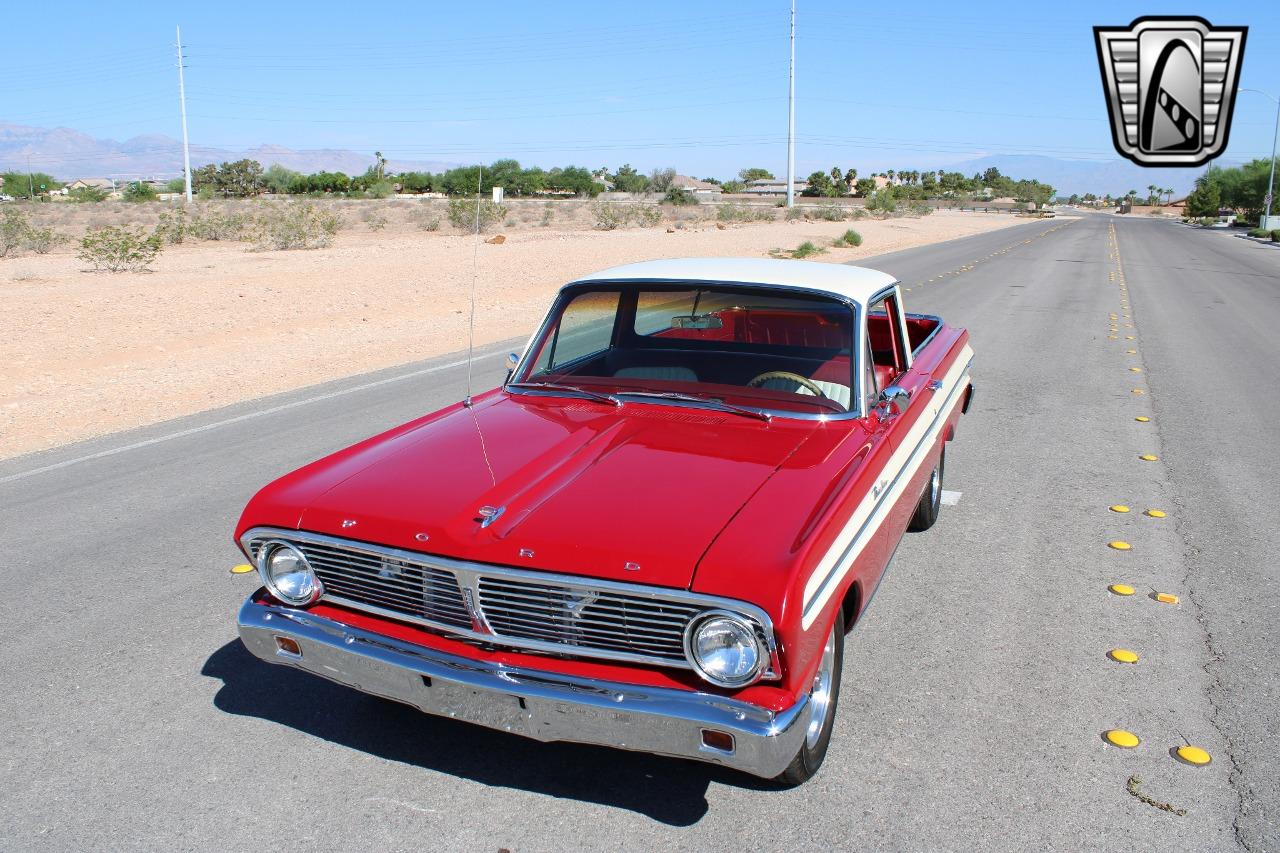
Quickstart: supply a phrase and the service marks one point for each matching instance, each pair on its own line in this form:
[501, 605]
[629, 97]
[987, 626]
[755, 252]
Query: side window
[585, 328]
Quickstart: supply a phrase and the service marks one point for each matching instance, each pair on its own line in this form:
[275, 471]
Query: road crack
[1132, 787]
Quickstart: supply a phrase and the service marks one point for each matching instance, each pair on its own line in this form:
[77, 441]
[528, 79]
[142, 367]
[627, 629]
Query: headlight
[724, 649]
[287, 574]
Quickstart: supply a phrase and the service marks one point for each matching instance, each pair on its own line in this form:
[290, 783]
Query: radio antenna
[475, 261]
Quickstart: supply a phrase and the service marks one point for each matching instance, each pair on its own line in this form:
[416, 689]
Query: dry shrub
[119, 249]
[297, 225]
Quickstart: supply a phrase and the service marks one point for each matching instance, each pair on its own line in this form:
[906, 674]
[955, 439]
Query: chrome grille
[509, 607]
[413, 589]
[585, 617]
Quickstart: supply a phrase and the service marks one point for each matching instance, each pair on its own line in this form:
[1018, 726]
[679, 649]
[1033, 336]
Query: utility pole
[182, 100]
[791, 115]
[1271, 182]
[31, 183]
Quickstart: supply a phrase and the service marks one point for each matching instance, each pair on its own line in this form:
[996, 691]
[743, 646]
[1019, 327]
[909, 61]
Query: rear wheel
[931, 501]
[824, 695]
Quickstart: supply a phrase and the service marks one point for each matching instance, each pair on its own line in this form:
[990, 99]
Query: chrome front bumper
[541, 705]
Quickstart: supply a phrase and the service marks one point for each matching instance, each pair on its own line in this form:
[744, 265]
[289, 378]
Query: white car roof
[858, 284]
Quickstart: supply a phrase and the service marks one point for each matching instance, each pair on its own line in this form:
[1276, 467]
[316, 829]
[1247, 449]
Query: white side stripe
[871, 513]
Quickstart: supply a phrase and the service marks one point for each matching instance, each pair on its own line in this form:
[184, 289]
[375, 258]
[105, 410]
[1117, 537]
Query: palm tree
[889, 174]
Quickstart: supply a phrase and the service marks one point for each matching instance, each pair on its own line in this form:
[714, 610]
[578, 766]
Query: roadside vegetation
[848, 240]
[807, 249]
[1240, 188]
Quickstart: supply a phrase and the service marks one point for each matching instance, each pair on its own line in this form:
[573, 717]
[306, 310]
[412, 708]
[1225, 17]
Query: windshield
[751, 346]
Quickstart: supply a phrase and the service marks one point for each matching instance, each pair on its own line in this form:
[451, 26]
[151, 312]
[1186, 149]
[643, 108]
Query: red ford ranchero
[653, 536]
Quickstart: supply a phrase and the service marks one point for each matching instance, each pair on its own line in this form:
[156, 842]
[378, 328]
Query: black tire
[931, 501]
[813, 749]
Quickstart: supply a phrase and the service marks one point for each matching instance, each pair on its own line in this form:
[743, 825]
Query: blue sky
[701, 86]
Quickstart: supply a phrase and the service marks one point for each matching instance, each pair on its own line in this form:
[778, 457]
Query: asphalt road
[976, 688]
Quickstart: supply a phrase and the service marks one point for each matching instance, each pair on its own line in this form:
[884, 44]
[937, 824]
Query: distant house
[773, 186]
[104, 184]
[695, 186]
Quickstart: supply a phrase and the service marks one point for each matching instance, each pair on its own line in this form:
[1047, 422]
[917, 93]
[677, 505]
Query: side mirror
[512, 360]
[893, 401]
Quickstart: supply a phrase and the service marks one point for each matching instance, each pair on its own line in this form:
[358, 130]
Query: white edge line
[950, 498]
[160, 439]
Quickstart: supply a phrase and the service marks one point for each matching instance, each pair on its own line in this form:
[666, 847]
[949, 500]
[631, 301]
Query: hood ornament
[489, 514]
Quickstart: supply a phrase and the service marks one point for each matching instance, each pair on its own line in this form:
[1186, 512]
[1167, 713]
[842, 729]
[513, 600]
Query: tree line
[1241, 188]
[248, 178]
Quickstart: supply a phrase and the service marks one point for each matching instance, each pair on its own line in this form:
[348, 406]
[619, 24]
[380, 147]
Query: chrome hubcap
[820, 693]
[935, 486]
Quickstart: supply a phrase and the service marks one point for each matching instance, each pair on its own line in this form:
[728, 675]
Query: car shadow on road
[667, 790]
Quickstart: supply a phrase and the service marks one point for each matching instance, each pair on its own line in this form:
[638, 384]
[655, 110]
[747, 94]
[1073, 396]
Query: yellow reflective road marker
[1149, 457]
[1119, 545]
[1118, 508]
[1156, 513]
[1193, 755]
[1123, 656]
[1121, 589]
[1166, 598]
[1142, 419]
[1121, 738]
[1112, 338]
[242, 569]
[1138, 391]
[1129, 351]
[1135, 369]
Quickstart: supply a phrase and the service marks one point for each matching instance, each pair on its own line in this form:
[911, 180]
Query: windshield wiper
[567, 389]
[713, 402]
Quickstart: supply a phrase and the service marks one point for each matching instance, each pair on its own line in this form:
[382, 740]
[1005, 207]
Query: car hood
[635, 494]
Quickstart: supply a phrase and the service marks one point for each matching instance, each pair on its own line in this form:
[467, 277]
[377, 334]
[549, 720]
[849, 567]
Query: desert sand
[85, 354]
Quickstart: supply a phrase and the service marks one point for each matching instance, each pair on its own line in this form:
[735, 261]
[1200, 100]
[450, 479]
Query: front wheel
[931, 501]
[824, 695]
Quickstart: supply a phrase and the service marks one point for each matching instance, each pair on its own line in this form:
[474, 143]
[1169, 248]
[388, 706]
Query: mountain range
[68, 154]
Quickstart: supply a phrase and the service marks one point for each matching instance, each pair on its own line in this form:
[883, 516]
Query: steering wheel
[788, 376]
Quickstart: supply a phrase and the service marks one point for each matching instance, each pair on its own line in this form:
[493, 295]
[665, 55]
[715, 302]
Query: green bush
[85, 195]
[429, 221]
[13, 231]
[679, 197]
[1259, 232]
[610, 216]
[548, 211]
[882, 202]
[794, 213]
[1275, 236]
[831, 213]
[848, 240]
[375, 220]
[296, 225]
[120, 249]
[174, 226]
[138, 191]
[804, 250]
[42, 240]
[920, 208]
[743, 213]
[462, 213]
[217, 225]
[1206, 220]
